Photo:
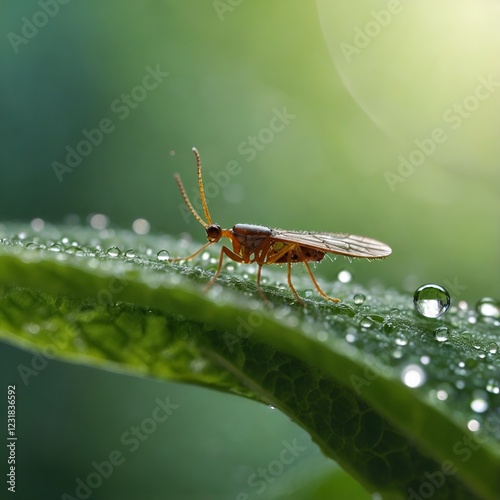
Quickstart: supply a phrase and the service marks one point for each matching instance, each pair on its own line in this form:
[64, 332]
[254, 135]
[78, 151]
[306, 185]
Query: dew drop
[205, 256]
[113, 252]
[493, 348]
[308, 293]
[163, 256]
[441, 334]
[365, 322]
[431, 301]
[492, 386]
[488, 307]
[32, 246]
[229, 266]
[413, 376]
[55, 247]
[344, 276]
[130, 254]
[359, 298]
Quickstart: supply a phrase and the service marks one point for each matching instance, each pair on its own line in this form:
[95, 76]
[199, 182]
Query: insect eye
[214, 232]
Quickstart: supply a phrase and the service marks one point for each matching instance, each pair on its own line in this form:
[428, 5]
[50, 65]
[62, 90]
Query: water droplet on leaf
[163, 256]
[431, 301]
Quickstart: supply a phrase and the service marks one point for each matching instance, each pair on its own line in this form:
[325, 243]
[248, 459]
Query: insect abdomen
[308, 254]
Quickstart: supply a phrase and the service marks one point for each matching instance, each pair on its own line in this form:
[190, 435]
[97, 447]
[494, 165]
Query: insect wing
[346, 244]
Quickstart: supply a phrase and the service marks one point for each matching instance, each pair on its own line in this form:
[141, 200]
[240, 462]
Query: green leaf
[370, 382]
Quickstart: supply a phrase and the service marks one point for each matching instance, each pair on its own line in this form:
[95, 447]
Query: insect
[264, 245]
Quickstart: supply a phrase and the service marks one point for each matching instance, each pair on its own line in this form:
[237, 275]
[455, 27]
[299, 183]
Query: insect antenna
[200, 183]
[186, 199]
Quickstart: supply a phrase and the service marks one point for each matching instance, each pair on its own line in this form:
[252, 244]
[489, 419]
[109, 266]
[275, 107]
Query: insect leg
[262, 294]
[289, 264]
[193, 255]
[313, 279]
[231, 255]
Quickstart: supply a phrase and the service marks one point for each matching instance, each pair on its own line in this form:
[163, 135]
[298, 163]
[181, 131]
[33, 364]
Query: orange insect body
[264, 245]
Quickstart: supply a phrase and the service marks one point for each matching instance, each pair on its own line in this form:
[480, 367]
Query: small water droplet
[441, 334]
[488, 307]
[163, 256]
[431, 301]
[493, 386]
[55, 247]
[141, 226]
[113, 252]
[308, 293]
[32, 246]
[205, 256]
[229, 266]
[413, 376]
[402, 341]
[344, 276]
[359, 298]
[130, 254]
[397, 353]
[493, 348]
[365, 322]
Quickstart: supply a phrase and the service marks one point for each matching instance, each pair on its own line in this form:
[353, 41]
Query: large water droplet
[488, 307]
[431, 300]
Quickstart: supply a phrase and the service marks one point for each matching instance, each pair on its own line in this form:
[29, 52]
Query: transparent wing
[349, 245]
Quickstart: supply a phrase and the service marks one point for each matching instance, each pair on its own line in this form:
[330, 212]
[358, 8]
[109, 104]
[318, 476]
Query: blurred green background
[313, 136]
